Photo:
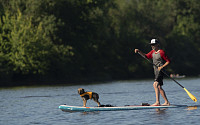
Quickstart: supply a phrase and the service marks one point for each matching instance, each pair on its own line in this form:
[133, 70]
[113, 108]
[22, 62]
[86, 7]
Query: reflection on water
[34, 96]
[192, 107]
[161, 111]
[90, 113]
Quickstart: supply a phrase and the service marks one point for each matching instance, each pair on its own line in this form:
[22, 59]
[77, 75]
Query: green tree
[27, 41]
[183, 40]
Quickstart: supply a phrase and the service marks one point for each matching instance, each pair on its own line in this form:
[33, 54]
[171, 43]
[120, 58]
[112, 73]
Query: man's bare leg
[157, 92]
[162, 92]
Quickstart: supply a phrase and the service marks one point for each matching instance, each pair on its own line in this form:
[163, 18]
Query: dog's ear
[82, 91]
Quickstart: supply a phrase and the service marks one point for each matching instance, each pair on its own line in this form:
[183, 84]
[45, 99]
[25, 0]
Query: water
[39, 105]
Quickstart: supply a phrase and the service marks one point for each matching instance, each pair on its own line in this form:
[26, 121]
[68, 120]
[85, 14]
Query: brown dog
[88, 95]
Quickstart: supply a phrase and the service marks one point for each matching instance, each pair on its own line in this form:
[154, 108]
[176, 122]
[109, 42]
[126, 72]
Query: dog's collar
[87, 93]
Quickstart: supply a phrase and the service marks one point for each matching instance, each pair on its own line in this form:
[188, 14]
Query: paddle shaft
[161, 70]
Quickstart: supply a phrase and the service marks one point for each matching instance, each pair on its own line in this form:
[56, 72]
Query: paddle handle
[161, 70]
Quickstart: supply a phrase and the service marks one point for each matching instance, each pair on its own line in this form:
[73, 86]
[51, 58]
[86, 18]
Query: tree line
[70, 41]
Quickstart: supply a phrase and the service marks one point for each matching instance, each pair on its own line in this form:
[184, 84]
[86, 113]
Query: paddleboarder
[160, 60]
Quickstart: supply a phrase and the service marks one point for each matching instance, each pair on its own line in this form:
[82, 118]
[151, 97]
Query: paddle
[189, 94]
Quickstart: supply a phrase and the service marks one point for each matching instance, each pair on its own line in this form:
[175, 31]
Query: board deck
[115, 108]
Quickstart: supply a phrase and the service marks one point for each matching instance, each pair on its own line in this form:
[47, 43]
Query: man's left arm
[164, 57]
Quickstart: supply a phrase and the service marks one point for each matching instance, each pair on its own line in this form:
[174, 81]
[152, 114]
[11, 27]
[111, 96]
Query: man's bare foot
[155, 104]
[166, 104]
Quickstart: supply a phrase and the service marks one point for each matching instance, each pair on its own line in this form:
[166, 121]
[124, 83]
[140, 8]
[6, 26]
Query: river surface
[39, 105]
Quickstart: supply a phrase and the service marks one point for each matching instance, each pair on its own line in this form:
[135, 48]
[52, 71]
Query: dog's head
[81, 91]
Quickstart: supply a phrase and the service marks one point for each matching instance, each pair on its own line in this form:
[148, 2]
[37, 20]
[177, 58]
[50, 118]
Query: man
[160, 60]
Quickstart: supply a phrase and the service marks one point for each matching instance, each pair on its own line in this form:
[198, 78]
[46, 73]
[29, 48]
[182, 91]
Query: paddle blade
[190, 95]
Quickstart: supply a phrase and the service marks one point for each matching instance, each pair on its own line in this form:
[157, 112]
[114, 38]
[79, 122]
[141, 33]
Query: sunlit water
[39, 105]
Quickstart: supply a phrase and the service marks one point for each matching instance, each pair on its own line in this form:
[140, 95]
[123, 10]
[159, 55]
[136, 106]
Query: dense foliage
[87, 40]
